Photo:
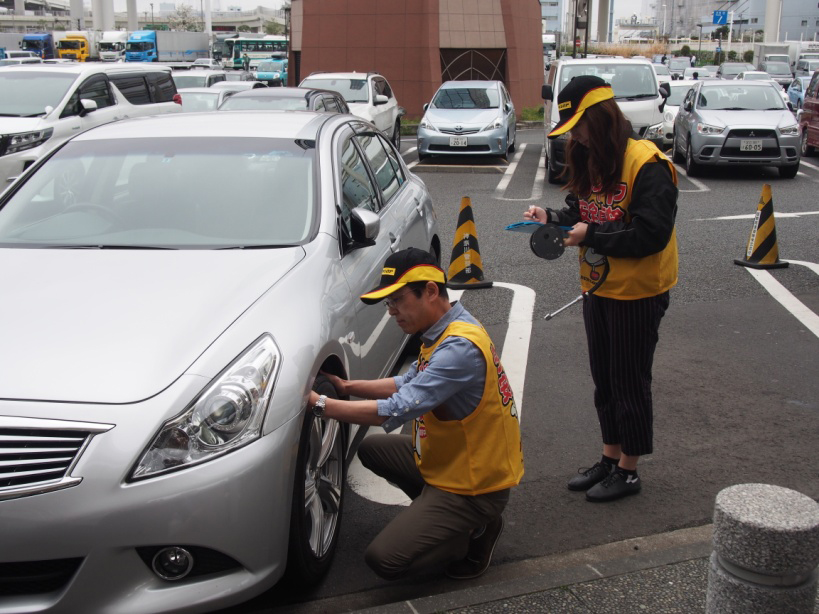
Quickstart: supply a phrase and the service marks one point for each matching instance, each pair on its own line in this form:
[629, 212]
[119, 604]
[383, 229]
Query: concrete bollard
[766, 552]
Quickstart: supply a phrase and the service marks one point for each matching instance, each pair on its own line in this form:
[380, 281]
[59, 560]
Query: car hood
[105, 326]
[468, 118]
[12, 125]
[740, 119]
[360, 109]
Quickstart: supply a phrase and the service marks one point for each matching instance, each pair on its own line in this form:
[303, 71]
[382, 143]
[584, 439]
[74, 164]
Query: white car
[678, 91]
[368, 95]
[760, 75]
[44, 105]
[662, 72]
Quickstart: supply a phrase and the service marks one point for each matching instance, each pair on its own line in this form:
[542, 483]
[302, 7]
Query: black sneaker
[616, 486]
[480, 553]
[591, 476]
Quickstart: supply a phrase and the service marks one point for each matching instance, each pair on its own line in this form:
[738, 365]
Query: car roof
[242, 124]
[284, 92]
[606, 60]
[342, 75]
[201, 71]
[733, 82]
[82, 68]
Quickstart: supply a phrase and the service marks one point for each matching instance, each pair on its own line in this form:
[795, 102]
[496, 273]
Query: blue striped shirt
[453, 380]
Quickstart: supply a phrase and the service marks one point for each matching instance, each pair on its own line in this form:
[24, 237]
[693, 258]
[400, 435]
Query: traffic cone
[762, 251]
[465, 268]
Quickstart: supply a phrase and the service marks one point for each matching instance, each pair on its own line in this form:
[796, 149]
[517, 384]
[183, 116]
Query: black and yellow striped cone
[466, 268]
[762, 251]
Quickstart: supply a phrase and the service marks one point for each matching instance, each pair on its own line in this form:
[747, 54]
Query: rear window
[635, 80]
[162, 86]
[133, 87]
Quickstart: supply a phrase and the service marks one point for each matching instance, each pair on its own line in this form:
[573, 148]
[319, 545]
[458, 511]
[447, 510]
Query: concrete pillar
[773, 14]
[133, 16]
[76, 11]
[96, 14]
[107, 20]
[766, 552]
[603, 20]
[19, 7]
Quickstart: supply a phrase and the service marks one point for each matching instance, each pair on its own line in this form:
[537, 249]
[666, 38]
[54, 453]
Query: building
[551, 15]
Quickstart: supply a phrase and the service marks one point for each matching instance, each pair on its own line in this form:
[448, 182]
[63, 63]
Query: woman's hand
[536, 214]
[576, 234]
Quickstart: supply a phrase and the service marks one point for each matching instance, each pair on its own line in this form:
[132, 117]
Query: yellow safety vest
[481, 453]
[628, 278]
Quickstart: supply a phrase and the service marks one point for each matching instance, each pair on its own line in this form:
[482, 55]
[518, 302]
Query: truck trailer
[80, 45]
[112, 46]
[164, 46]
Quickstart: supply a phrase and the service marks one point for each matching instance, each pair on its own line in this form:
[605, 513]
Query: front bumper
[13, 165]
[777, 150]
[486, 143]
[236, 506]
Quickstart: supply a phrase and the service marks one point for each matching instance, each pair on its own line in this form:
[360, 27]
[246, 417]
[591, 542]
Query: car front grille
[36, 577]
[468, 148]
[751, 133]
[734, 152]
[37, 456]
[459, 132]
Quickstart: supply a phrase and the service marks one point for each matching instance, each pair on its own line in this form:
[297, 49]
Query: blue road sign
[720, 18]
[718, 50]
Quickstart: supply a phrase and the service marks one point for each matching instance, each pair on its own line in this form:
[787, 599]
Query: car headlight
[654, 132]
[708, 129]
[790, 130]
[668, 117]
[494, 124]
[28, 140]
[427, 125]
[226, 415]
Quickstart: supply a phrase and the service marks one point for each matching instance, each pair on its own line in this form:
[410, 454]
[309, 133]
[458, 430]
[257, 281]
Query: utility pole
[730, 32]
[153, 26]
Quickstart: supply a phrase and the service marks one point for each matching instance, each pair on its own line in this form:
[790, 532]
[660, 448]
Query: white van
[43, 105]
[636, 92]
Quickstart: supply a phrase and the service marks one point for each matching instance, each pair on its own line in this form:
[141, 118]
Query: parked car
[809, 117]
[171, 462]
[677, 66]
[196, 99]
[662, 72]
[796, 92]
[42, 106]
[21, 60]
[201, 77]
[806, 67]
[468, 118]
[636, 92]
[779, 72]
[239, 75]
[729, 124]
[677, 91]
[758, 75]
[286, 99]
[729, 70]
[368, 95]
[207, 63]
[273, 71]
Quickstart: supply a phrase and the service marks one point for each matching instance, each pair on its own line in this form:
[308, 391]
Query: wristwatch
[320, 406]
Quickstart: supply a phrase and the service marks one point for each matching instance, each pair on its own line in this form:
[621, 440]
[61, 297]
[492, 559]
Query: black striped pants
[622, 336]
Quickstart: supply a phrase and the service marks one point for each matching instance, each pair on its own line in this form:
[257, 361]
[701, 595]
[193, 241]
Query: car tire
[789, 172]
[318, 495]
[396, 134]
[676, 156]
[513, 144]
[692, 169]
[807, 150]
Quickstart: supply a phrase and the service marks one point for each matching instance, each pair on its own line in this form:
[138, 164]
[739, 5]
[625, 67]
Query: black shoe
[480, 553]
[591, 476]
[616, 486]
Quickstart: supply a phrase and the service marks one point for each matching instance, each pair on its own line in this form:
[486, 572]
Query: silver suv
[368, 95]
[44, 105]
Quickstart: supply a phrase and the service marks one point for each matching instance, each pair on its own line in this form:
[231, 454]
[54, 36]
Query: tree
[720, 33]
[243, 28]
[685, 51]
[273, 27]
[184, 18]
[748, 56]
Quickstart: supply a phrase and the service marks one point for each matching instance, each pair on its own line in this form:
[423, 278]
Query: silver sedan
[731, 123]
[173, 291]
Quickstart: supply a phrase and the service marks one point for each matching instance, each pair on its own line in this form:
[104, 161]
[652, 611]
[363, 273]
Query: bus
[256, 49]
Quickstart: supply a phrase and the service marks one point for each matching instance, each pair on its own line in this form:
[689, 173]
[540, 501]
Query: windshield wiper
[278, 245]
[40, 114]
[11, 115]
[99, 246]
[635, 97]
[732, 109]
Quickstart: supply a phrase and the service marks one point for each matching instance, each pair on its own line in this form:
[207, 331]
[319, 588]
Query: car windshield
[467, 98]
[756, 76]
[269, 66]
[27, 93]
[352, 90]
[166, 193]
[194, 80]
[677, 63]
[199, 101]
[734, 69]
[678, 92]
[263, 103]
[777, 68]
[235, 75]
[661, 69]
[739, 98]
[627, 80]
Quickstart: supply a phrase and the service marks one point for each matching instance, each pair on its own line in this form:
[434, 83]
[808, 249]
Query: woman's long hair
[599, 165]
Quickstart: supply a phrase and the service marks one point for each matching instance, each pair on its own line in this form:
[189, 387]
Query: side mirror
[546, 92]
[426, 106]
[665, 91]
[688, 106]
[790, 106]
[86, 106]
[380, 99]
[508, 107]
[365, 225]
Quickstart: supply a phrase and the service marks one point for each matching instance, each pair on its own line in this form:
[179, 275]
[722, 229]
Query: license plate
[750, 145]
[457, 141]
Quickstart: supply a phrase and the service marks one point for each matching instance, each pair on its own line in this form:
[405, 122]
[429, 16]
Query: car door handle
[395, 242]
[419, 206]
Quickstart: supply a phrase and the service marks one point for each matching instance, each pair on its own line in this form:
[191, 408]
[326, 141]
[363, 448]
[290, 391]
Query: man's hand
[576, 234]
[314, 396]
[339, 384]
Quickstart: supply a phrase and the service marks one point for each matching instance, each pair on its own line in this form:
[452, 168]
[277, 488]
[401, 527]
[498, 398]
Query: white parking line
[808, 164]
[515, 358]
[750, 216]
[537, 186]
[510, 170]
[701, 187]
[796, 307]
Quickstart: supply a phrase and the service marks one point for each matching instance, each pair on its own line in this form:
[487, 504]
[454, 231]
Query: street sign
[718, 50]
[720, 18]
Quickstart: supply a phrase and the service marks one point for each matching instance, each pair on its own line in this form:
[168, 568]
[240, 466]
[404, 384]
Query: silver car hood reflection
[119, 326]
[738, 119]
[473, 118]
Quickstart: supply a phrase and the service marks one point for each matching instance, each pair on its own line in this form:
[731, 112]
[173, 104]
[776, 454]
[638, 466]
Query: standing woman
[621, 205]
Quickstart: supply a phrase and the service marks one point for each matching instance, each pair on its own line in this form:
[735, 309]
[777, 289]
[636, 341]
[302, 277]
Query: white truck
[10, 40]
[772, 52]
[112, 46]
